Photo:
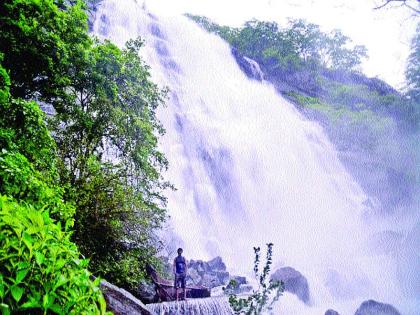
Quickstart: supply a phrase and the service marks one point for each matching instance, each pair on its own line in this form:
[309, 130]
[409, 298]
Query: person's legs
[184, 287]
[176, 286]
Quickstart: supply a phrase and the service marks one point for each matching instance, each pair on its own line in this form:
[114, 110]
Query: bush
[259, 301]
[20, 180]
[40, 270]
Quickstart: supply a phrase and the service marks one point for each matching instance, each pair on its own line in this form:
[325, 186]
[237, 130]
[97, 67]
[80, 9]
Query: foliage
[289, 48]
[20, 180]
[23, 121]
[320, 64]
[41, 270]
[105, 132]
[259, 300]
[39, 40]
[28, 157]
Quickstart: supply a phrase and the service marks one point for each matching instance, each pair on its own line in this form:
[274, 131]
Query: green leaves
[288, 49]
[42, 270]
[17, 292]
[20, 275]
[39, 41]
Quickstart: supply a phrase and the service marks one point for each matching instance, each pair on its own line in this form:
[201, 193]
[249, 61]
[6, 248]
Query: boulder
[331, 312]
[222, 277]
[210, 274]
[121, 302]
[146, 292]
[210, 280]
[193, 277]
[372, 307]
[294, 282]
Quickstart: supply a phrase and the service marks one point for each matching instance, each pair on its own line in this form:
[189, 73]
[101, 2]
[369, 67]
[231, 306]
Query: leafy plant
[41, 270]
[261, 299]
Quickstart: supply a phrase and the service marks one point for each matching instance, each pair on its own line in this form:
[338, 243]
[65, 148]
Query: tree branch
[403, 3]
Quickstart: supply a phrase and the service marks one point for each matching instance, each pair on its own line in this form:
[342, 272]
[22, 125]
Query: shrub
[40, 270]
[259, 300]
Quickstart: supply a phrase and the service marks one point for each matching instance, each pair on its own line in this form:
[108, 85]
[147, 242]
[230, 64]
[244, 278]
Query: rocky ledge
[121, 302]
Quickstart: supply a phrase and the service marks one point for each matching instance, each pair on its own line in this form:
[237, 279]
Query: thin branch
[403, 3]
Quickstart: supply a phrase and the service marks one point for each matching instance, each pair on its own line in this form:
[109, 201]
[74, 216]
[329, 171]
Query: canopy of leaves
[39, 41]
[299, 43]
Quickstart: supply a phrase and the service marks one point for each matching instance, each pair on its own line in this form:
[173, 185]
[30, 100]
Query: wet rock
[193, 276]
[372, 307]
[146, 292]
[121, 302]
[294, 282]
[217, 264]
[331, 312]
[209, 274]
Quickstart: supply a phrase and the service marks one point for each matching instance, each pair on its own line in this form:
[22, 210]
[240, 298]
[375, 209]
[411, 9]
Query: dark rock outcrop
[372, 307]
[209, 274]
[294, 282]
[121, 302]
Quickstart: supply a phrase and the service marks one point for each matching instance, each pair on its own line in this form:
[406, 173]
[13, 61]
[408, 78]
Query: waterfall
[214, 306]
[250, 169]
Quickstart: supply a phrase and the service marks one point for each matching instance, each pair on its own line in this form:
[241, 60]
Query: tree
[412, 72]
[39, 41]
[338, 56]
[106, 131]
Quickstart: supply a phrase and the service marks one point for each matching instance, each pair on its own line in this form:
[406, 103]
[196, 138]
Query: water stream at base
[214, 306]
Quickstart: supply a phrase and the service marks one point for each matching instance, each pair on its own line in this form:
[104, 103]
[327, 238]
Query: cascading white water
[250, 169]
[214, 306]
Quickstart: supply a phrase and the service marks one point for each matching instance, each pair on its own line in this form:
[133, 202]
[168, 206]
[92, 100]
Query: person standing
[180, 271]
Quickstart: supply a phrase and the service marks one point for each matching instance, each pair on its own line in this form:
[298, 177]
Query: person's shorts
[179, 280]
